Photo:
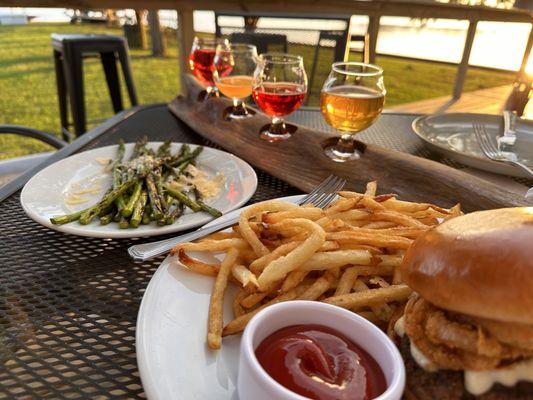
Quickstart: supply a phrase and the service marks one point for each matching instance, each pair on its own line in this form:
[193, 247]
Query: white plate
[452, 136]
[174, 361]
[44, 194]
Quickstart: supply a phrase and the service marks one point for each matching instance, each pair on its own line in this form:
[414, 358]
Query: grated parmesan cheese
[207, 187]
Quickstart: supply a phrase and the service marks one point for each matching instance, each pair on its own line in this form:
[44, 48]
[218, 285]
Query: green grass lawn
[28, 92]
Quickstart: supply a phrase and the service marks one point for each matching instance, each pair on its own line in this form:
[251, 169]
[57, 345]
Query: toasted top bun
[479, 264]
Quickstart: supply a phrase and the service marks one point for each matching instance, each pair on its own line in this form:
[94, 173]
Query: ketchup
[320, 363]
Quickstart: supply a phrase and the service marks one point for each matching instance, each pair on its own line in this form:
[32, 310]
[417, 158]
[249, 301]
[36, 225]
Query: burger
[467, 330]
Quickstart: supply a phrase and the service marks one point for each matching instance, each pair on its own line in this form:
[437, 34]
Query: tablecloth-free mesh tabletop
[69, 304]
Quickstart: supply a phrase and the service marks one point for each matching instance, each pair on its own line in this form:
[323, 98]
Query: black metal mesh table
[69, 304]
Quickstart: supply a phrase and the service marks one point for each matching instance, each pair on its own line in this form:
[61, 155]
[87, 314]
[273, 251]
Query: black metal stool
[69, 51]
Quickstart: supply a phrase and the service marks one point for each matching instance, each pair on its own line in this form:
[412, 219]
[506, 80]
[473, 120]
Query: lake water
[496, 45]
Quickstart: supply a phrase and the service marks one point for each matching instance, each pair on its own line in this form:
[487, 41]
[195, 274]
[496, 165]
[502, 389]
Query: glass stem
[278, 126]
[346, 144]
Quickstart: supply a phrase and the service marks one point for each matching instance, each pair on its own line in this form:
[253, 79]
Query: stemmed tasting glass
[201, 62]
[351, 100]
[233, 69]
[279, 88]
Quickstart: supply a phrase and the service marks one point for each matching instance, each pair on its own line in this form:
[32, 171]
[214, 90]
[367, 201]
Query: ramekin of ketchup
[302, 350]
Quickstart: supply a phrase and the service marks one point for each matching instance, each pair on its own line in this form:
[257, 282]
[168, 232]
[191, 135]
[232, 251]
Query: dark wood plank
[300, 162]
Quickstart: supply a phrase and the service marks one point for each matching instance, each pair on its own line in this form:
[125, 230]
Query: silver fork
[490, 149]
[321, 196]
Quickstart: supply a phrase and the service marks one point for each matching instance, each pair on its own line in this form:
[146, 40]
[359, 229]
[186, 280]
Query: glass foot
[340, 156]
[208, 93]
[237, 113]
[277, 132]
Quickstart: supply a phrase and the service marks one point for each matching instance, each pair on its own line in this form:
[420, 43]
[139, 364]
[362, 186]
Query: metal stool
[69, 51]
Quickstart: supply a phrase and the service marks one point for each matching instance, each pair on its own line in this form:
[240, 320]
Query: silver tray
[452, 136]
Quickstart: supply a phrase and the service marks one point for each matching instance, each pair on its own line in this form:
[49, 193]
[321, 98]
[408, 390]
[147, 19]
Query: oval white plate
[174, 361]
[44, 194]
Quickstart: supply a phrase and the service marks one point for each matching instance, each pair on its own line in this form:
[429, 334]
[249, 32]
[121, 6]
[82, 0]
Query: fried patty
[448, 385]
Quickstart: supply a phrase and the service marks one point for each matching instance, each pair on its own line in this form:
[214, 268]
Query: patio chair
[11, 168]
[69, 51]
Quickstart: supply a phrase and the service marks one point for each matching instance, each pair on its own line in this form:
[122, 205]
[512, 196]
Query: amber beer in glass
[351, 100]
[233, 68]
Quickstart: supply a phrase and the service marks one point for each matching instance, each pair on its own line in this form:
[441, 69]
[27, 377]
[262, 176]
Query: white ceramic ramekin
[254, 383]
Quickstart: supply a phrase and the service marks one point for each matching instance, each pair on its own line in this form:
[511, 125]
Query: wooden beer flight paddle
[300, 161]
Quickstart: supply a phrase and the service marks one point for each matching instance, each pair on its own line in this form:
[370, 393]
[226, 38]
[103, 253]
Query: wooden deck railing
[374, 9]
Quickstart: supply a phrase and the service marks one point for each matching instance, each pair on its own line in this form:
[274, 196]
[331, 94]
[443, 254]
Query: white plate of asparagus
[138, 189]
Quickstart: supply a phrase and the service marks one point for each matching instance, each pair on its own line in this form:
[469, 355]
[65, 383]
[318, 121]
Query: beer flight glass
[236, 63]
[279, 87]
[351, 100]
[201, 62]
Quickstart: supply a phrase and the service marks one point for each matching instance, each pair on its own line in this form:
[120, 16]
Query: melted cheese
[73, 199]
[207, 187]
[418, 356]
[478, 382]
[103, 161]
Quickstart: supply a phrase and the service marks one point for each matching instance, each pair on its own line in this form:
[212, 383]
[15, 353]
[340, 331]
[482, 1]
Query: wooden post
[525, 58]
[185, 39]
[373, 30]
[463, 65]
[159, 49]
[143, 43]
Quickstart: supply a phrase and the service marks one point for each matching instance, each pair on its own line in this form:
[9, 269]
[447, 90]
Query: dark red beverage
[201, 64]
[279, 99]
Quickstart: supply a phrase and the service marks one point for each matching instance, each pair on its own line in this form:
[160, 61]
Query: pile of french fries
[348, 255]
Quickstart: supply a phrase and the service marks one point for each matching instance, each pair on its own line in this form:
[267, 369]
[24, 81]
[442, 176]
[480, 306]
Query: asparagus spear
[140, 148]
[88, 214]
[128, 208]
[123, 223]
[173, 215]
[213, 211]
[64, 219]
[117, 174]
[164, 150]
[196, 152]
[146, 215]
[138, 211]
[155, 199]
[106, 219]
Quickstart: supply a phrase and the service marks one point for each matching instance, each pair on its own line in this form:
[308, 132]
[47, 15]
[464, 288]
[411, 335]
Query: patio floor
[487, 101]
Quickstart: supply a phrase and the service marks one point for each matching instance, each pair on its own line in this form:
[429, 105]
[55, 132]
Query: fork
[321, 196]
[490, 149]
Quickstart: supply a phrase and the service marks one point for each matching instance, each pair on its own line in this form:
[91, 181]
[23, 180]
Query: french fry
[371, 296]
[215, 322]
[238, 309]
[390, 260]
[348, 254]
[198, 266]
[243, 275]
[320, 287]
[371, 188]
[335, 259]
[394, 242]
[293, 279]
[280, 267]
[346, 281]
[342, 205]
[311, 213]
[238, 324]
[244, 224]
[260, 263]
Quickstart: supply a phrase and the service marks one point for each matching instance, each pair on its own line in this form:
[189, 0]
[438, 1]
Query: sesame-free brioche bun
[479, 264]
